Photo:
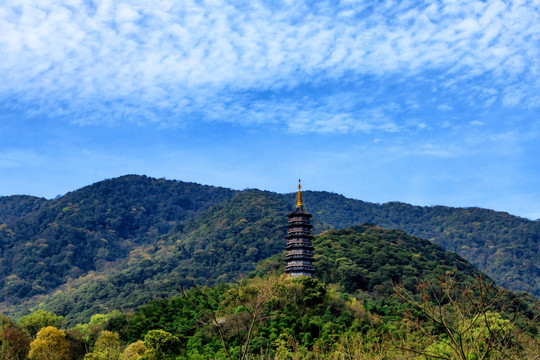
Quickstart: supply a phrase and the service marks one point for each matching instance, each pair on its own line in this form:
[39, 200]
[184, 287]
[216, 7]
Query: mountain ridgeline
[124, 241]
[90, 229]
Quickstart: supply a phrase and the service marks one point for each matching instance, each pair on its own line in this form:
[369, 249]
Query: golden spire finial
[299, 195]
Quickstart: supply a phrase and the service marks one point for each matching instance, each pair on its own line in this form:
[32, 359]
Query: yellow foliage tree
[107, 347]
[50, 344]
[134, 351]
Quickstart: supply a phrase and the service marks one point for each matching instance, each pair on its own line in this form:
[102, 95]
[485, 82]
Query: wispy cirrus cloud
[169, 62]
[18, 159]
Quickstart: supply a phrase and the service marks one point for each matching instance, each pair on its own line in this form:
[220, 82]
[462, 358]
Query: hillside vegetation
[124, 241]
[377, 294]
[222, 244]
[90, 229]
[504, 246]
[14, 207]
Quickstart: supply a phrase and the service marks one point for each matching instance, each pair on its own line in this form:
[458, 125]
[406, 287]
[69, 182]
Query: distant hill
[132, 238]
[89, 229]
[14, 207]
[505, 247]
[222, 244]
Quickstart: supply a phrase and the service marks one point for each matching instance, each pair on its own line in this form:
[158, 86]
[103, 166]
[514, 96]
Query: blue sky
[429, 103]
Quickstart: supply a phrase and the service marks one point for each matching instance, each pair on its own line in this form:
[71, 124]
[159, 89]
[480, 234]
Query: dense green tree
[160, 345]
[39, 319]
[282, 318]
[370, 258]
[6, 321]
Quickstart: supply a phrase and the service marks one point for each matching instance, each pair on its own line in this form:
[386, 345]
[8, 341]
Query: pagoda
[299, 260]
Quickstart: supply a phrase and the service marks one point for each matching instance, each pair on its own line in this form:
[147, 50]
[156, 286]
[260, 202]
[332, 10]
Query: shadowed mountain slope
[14, 207]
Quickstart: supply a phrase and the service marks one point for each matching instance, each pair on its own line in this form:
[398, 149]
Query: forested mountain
[14, 207]
[504, 246]
[90, 229]
[377, 294]
[283, 318]
[223, 243]
[123, 241]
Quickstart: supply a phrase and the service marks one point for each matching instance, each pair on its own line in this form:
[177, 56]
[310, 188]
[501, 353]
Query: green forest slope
[222, 244]
[12, 208]
[504, 246]
[376, 294]
[93, 228]
[133, 238]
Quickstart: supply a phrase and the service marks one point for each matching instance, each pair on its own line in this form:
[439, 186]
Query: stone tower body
[299, 261]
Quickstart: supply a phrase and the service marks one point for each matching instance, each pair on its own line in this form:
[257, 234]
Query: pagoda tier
[299, 259]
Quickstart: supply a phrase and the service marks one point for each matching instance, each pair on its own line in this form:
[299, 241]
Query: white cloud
[125, 13]
[438, 151]
[444, 107]
[76, 58]
[19, 159]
